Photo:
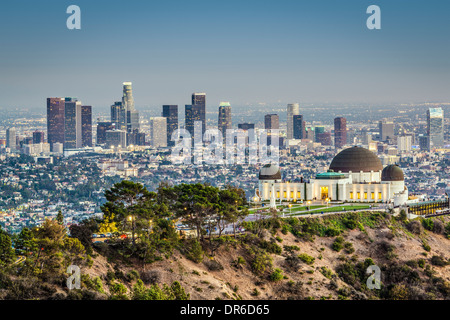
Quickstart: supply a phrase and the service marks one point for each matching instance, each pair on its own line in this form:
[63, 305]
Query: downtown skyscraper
[11, 139]
[340, 132]
[86, 126]
[72, 124]
[224, 121]
[435, 128]
[196, 112]
[293, 109]
[271, 122]
[132, 115]
[299, 127]
[386, 130]
[158, 132]
[119, 115]
[170, 112]
[55, 120]
[38, 137]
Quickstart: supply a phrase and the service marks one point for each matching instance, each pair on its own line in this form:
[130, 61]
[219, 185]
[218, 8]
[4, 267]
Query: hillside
[294, 259]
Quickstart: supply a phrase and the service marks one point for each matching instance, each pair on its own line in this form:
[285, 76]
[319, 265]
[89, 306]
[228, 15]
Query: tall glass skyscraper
[271, 122]
[55, 120]
[11, 141]
[299, 127]
[435, 127]
[86, 126]
[340, 132]
[171, 113]
[198, 108]
[224, 121]
[292, 110]
[132, 115]
[119, 115]
[72, 123]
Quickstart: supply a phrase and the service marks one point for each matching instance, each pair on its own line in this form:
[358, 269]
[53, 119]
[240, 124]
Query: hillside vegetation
[292, 258]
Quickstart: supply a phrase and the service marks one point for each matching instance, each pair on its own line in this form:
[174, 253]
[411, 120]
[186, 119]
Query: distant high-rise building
[132, 115]
[299, 127]
[86, 126]
[136, 138]
[424, 143]
[224, 121]
[102, 127]
[246, 126]
[119, 115]
[366, 138]
[38, 137]
[127, 98]
[158, 132]
[72, 124]
[55, 120]
[271, 122]
[140, 139]
[340, 132]
[132, 120]
[116, 138]
[321, 136]
[310, 134]
[435, 127]
[170, 112]
[193, 113]
[199, 109]
[293, 109]
[404, 143]
[386, 130]
[58, 147]
[11, 138]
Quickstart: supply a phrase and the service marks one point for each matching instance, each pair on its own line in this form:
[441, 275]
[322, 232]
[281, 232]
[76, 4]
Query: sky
[243, 51]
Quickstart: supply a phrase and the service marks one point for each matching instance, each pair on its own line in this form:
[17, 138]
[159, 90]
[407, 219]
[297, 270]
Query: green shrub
[261, 262]
[332, 232]
[132, 275]
[195, 252]
[338, 244]
[255, 292]
[271, 247]
[428, 224]
[349, 247]
[402, 216]
[118, 291]
[276, 275]
[291, 248]
[307, 258]
[421, 263]
[438, 261]
[447, 230]
[327, 273]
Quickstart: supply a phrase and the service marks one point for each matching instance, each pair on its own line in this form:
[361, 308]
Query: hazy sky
[244, 51]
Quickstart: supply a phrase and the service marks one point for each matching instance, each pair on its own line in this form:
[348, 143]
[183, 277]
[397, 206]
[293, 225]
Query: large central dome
[356, 159]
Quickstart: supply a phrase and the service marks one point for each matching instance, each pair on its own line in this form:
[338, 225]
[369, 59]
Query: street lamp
[290, 206]
[132, 220]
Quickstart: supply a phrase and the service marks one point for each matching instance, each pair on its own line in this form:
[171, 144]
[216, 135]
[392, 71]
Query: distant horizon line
[270, 104]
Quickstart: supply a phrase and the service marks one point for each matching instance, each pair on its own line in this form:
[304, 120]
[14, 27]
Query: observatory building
[355, 175]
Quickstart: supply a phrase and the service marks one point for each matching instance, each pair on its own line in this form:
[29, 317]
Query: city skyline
[275, 52]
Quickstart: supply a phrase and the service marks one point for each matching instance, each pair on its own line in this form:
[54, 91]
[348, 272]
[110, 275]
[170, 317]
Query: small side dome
[270, 172]
[392, 173]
